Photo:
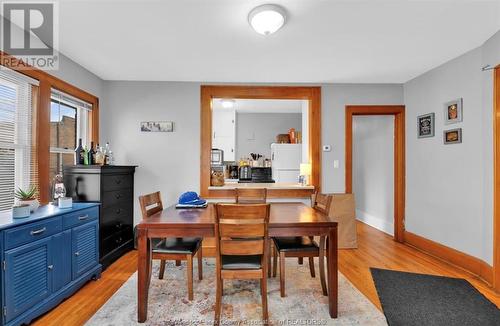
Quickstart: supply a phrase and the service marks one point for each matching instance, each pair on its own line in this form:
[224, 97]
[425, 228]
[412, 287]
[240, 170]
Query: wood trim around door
[496, 179]
[311, 94]
[398, 111]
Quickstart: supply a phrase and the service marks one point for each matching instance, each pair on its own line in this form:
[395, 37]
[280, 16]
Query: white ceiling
[262, 106]
[364, 41]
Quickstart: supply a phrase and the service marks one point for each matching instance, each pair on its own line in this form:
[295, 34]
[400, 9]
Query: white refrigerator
[286, 159]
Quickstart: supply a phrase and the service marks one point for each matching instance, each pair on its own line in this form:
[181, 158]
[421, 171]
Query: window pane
[57, 161]
[7, 177]
[62, 125]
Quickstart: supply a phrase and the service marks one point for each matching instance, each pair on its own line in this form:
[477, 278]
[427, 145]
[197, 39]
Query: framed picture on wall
[157, 126]
[453, 111]
[425, 125]
[452, 136]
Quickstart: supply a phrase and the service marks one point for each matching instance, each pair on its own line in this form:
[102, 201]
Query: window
[69, 121]
[17, 159]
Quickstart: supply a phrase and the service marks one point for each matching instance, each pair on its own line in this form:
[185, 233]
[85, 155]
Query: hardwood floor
[77, 309]
[376, 249]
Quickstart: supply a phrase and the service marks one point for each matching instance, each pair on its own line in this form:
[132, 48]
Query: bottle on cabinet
[79, 154]
[92, 153]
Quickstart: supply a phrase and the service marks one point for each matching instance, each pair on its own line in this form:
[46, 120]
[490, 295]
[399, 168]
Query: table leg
[143, 274]
[332, 273]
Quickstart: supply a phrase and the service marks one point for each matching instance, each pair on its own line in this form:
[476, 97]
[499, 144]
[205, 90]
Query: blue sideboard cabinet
[46, 258]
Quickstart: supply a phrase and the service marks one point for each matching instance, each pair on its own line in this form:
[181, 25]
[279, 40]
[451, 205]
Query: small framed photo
[157, 126]
[453, 111]
[452, 136]
[425, 125]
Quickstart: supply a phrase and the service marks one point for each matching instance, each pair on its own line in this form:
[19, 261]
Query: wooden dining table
[286, 219]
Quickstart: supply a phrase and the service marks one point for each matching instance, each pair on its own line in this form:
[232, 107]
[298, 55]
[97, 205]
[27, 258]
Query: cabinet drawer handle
[50, 267]
[118, 196]
[118, 181]
[42, 230]
[83, 217]
[77, 253]
[119, 240]
[119, 225]
[118, 210]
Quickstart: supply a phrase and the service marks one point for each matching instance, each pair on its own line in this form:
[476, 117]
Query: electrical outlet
[336, 164]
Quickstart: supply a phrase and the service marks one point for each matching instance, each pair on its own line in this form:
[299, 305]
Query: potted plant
[27, 197]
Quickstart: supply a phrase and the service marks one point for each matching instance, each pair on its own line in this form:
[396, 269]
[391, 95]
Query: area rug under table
[304, 303]
[410, 299]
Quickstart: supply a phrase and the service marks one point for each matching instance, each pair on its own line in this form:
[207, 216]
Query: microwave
[217, 157]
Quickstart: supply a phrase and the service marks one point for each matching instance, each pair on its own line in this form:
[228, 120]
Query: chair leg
[282, 274]
[190, 276]
[162, 270]
[311, 266]
[200, 264]
[275, 263]
[263, 293]
[301, 260]
[177, 263]
[218, 299]
[322, 265]
[269, 254]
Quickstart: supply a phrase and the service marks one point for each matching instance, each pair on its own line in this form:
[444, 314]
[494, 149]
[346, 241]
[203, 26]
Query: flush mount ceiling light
[227, 103]
[267, 19]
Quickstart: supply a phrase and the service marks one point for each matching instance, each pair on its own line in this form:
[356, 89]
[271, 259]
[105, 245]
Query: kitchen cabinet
[46, 258]
[224, 131]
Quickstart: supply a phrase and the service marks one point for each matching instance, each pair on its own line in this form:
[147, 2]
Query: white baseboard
[376, 222]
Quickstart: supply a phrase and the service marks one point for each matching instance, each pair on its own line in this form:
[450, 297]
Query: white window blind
[17, 164]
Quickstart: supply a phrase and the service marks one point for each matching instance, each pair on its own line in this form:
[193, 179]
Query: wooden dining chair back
[150, 204]
[322, 203]
[177, 249]
[241, 232]
[251, 195]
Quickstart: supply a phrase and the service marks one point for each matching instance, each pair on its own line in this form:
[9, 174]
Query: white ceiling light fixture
[267, 19]
[227, 103]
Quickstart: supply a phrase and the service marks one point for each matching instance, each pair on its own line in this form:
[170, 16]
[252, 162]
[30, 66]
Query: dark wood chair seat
[177, 245]
[241, 262]
[296, 244]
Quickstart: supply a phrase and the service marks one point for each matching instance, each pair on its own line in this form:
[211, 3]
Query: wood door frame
[496, 179]
[311, 94]
[398, 111]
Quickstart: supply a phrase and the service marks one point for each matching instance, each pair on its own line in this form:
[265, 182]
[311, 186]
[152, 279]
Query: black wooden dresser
[113, 187]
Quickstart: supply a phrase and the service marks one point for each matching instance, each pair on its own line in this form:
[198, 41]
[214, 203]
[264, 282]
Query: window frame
[47, 83]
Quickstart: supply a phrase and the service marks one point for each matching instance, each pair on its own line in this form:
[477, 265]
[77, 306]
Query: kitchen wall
[373, 170]
[255, 132]
[449, 197]
[170, 161]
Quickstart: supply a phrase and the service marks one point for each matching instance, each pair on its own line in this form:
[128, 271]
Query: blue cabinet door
[61, 259]
[28, 276]
[84, 243]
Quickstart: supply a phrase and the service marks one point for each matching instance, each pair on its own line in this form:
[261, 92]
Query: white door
[223, 131]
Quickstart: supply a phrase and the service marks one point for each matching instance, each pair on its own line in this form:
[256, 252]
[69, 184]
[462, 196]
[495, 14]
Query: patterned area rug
[303, 305]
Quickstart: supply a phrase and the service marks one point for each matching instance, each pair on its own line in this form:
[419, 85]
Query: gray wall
[449, 187]
[334, 98]
[373, 170]
[170, 161]
[255, 132]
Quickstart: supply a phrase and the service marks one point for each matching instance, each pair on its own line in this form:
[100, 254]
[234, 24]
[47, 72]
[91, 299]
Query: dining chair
[172, 248]
[250, 195]
[300, 247]
[241, 232]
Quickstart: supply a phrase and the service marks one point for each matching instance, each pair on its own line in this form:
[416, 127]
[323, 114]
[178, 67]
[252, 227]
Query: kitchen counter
[276, 186]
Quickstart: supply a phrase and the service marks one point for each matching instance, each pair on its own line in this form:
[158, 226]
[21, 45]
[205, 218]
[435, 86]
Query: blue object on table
[46, 258]
[191, 198]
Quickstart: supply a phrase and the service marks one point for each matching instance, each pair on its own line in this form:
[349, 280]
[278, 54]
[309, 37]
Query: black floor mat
[417, 299]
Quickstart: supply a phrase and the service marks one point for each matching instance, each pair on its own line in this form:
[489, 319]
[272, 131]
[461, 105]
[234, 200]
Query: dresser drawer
[110, 198]
[116, 240]
[117, 182]
[117, 212]
[27, 233]
[80, 217]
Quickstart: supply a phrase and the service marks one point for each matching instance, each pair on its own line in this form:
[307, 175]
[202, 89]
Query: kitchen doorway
[397, 111]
